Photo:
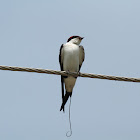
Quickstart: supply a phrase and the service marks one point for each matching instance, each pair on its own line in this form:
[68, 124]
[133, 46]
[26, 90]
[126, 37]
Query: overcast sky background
[31, 33]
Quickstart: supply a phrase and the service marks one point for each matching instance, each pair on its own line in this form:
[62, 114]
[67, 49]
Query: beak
[81, 38]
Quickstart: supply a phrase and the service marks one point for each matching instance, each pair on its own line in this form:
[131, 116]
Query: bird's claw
[67, 72]
[78, 73]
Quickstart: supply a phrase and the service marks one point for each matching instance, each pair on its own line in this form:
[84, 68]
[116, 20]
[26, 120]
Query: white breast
[71, 58]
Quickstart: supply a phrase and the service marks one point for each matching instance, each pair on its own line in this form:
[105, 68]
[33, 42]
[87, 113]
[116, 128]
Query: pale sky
[31, 33]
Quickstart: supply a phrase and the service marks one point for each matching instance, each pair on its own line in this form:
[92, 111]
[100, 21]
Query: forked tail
[66, 97]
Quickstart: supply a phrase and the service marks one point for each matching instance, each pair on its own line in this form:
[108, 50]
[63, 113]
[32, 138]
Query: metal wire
[64, 73]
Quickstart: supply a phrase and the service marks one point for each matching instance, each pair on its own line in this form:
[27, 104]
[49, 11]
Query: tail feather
[66, 97]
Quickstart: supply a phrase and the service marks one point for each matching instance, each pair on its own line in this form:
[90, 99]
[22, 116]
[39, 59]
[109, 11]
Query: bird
[71, 57]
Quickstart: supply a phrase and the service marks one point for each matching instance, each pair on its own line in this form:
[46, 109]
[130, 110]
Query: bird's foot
[67, 71]
[78, 73]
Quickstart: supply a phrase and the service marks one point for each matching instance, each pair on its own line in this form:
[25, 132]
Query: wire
[64, 73]
[69, 133]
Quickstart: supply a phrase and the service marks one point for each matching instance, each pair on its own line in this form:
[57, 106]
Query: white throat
[76, 41]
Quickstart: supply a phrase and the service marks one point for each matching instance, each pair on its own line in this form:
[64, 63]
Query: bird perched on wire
[71, 57]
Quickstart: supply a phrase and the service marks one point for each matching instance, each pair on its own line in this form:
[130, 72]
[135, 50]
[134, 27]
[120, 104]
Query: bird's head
[75, 39]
